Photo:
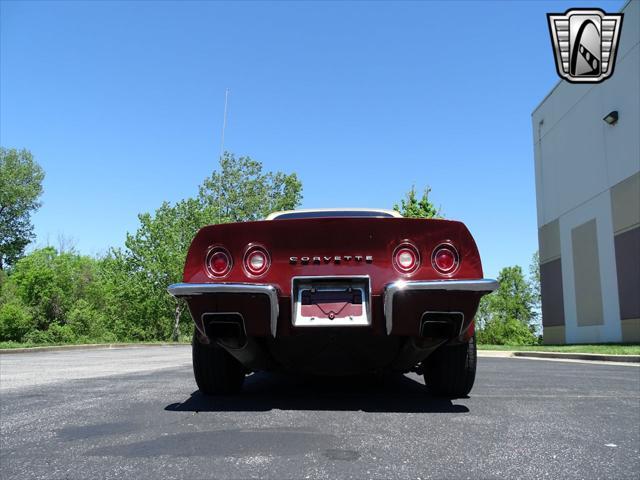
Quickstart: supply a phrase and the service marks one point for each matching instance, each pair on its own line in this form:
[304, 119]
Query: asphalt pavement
[136, 413]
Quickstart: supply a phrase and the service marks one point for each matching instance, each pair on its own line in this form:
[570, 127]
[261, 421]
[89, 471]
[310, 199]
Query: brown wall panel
[631, 330]
[549, 241]
[554, 335]
[551, 291]
[627, 246]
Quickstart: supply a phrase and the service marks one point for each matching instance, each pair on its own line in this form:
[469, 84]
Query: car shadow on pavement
[267, 391]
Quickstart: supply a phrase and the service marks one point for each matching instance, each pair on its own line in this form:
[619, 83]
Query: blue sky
[121, 103]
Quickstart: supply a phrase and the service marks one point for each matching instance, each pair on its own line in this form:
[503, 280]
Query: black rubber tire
[451, 370]
[215, 370]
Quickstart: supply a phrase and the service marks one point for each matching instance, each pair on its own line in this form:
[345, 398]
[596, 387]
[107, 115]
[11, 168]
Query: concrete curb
[90, 346]
[581, 356]
[495, 353]
[599, 357]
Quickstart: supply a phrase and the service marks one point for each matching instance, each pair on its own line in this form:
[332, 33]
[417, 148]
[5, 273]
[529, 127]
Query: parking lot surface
[136, 413]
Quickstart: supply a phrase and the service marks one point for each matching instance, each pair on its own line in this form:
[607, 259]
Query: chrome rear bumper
[191, 289]
[484, 285]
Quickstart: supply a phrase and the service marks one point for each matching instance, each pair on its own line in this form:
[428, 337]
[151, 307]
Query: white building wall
[579, 157]
[595, 155]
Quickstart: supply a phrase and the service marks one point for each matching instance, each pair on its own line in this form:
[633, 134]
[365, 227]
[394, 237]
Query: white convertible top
[334, 212]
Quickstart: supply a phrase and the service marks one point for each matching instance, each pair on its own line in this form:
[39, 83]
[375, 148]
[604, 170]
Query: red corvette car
[334, 292]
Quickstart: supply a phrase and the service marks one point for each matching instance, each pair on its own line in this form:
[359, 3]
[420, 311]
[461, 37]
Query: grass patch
[31, 344]
[608, 348]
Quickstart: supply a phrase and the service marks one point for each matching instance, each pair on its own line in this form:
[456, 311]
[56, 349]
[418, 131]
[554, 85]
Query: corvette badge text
[585, 43]
[338, 259]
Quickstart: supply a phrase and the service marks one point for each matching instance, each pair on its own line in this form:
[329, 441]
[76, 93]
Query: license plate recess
[331, 301]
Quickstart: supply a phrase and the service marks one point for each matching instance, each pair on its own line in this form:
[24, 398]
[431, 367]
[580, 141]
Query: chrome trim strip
[339, 278]
[483, 285]
[190, 289]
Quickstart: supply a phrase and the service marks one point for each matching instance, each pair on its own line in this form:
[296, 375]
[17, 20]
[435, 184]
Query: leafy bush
[61, 333]
[51, 296]
[508, 331]
[15, 321]
[85, 321]
[38, 336]
[55, 334]
[51, 282]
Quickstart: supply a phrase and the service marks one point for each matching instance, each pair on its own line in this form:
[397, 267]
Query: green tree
[412, 207]
[60, 296]
[20, 188]
[507, 316]
[154, 255]
[131, 304]
[240, 191]
[534, 282]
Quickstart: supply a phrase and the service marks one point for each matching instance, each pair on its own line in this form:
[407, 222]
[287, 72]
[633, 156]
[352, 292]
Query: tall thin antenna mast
[224, 127]
[224, 121]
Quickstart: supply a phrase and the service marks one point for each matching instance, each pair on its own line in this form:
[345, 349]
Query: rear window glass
[341, 213]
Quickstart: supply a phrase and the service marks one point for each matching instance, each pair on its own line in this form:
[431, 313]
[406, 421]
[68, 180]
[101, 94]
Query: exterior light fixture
[611, 118]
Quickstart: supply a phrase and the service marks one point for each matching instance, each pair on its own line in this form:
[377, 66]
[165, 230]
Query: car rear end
[334, 295]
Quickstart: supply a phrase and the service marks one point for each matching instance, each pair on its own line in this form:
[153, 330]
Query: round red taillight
[445, 259]
[406, 258]
[218, 262]
[256, 261]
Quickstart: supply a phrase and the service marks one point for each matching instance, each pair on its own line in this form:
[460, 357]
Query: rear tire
[451, 370]
[215, 370]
